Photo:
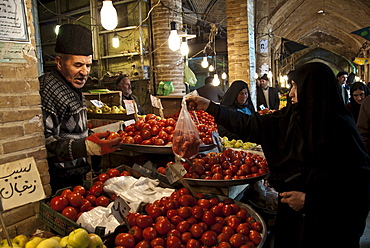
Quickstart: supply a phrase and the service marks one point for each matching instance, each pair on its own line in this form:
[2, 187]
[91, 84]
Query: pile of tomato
[227, 165]
[73, 202]
[155, 131]
[181, 220]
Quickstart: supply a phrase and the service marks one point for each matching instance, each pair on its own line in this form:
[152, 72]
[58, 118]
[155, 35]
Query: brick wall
[168, 65]
[237, 40]
[21, 130]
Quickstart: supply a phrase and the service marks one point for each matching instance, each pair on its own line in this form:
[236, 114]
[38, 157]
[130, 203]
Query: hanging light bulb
[108, 15]
[255, 75]
[224, 75]
[184, 47]
[216, 80]
[115, 41]
[173, 39]
[57, 29]
[211, 68]
[205, 62]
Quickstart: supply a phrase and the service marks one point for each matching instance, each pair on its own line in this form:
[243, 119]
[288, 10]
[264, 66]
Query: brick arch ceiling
[299, 21]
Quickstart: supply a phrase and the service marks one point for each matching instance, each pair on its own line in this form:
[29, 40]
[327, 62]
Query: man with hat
[68, 140]
[267, 97]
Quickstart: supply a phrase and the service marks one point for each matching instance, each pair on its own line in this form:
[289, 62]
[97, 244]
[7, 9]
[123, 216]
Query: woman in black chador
[237, 98]
[317, 160]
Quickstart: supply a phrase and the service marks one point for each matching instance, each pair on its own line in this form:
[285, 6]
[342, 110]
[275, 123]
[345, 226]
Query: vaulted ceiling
[328, 31]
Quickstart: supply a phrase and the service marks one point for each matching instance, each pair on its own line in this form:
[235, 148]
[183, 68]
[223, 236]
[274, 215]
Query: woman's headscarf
[358, 86]
[231, 95]
[327, 126]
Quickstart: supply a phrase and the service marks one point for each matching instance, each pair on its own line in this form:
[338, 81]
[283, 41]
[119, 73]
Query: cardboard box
[112, 98]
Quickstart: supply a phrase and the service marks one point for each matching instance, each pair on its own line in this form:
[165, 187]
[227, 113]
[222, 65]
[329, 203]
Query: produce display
[73, 202]
[78, 238]
[237, 143]
[153, 130]
[227, 165]
[181, 220]
[105, 109]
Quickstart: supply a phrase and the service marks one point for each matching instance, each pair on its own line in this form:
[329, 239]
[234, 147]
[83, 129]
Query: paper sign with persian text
[171, 175]
[130, 107]
[120, 209]
[156, 102]
[13, 21]
[20, 183]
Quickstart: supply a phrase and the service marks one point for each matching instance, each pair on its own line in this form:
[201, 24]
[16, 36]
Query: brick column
[168, 65]
[240, 42]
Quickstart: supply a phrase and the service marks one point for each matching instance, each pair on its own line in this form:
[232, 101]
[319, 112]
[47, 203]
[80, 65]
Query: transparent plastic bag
[186, 141]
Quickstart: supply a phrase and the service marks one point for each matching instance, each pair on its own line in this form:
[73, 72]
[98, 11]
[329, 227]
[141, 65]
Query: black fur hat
[74, 39]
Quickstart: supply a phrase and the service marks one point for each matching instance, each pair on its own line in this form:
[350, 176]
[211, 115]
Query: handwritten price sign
[20, 183]
[171, 176]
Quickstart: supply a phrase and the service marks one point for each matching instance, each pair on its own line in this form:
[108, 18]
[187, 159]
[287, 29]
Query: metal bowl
[158, 149]
[223, 183]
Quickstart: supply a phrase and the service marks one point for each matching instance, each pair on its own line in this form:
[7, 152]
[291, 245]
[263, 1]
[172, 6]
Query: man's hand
[96, 145]
[295, 199]
[197, 103]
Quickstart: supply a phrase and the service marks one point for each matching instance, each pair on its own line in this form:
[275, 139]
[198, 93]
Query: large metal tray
[158, 149]
[223, 183]
[251, 212]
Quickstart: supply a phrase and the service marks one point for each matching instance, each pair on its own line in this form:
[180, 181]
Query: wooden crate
[112, 98]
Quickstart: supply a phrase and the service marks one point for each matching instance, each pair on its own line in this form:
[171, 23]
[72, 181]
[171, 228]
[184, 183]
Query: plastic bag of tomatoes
[186, 141]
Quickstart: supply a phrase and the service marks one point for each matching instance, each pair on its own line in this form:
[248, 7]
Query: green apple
[49, 243]
[20, 240]
[33, 242]
[95, 241]
[79, 238]
[64, 242]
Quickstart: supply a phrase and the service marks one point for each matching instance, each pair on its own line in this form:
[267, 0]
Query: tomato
[162, 170]
[102, 201]
[196, 230]
[138, 139]
[132, 217]
[243, 228]
[174, 232]
[149, 233]
[147, 142]
[154, 211]
[185, 212]
[223, 237]
[221, 220]
[224, 244]
[237, 240]
[103, 177]
[145, 134]
[91, 199]
[183, 226]
[227, 210]
[209, 238]
[187, 200]
[58, 203]
[173, 242]
[139, 124]
[113, 173]
[112, 135]
[183, 191]
[143, 244]
[70, 213]
[125, 173]
[197, 212]
[163, 135]
[217, 211]
[170, 122]
[256, 226]
[157, 241]
[74, 199]
[163, 226]
[193, 243]
[159, 142]
[255, 237]
[228, 230]
[96, 190]
[176, 219]
[125, 239]
[214, 201]
[144, 221]
[154, 131]
[86, 205]
[136, 232]
[169, 129]
[209, 218]
[65, 193]
[80, 189]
